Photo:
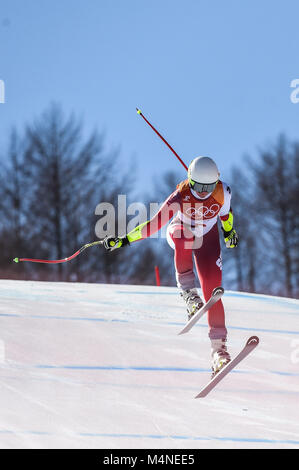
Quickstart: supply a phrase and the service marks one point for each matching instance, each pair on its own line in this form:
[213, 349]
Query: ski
[250, 345]
[216, 295]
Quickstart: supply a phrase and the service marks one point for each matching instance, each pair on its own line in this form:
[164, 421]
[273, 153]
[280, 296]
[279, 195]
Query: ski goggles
[201, 187]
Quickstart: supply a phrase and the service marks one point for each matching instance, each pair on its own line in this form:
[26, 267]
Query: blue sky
[213, 76]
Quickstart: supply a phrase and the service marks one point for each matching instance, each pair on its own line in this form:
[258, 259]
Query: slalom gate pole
[161, 137]
[157, 271]
[56, 261]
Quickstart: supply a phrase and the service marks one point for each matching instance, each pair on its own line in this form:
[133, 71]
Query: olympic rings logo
[203, 211]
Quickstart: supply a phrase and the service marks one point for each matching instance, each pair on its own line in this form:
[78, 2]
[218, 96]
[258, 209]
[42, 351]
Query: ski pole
[55, 261]
[161, 137]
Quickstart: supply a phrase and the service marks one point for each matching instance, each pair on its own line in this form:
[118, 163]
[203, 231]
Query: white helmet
[203, 174]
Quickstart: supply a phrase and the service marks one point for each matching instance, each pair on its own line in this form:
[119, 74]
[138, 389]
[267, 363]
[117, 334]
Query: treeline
[53, 177]
[266, 207]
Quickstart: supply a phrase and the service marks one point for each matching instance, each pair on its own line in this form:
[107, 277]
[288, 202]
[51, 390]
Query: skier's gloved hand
[231, 238]
[111, 243]
[230, 235]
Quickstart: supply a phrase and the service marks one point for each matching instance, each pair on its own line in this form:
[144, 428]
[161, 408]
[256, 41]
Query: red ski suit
[193, 233]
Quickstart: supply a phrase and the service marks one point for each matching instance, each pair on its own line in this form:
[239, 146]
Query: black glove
[231, 238]
[111, 243]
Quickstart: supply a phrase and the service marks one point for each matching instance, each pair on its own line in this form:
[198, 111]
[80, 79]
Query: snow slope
[102, 366]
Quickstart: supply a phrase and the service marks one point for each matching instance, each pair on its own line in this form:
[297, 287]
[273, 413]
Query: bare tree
[13, 237]
[275, 186]
[294, 198]
[58, 166]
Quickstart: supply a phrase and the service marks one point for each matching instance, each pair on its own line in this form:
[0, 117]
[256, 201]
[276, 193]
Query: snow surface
[102, 366]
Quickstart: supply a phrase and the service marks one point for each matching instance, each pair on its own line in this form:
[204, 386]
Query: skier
[194, 208]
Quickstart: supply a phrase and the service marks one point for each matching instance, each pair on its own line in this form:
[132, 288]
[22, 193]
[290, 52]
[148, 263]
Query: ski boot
[193, 301]
[220, 356]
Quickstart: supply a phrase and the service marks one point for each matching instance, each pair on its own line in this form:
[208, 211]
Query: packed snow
[102, 366]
